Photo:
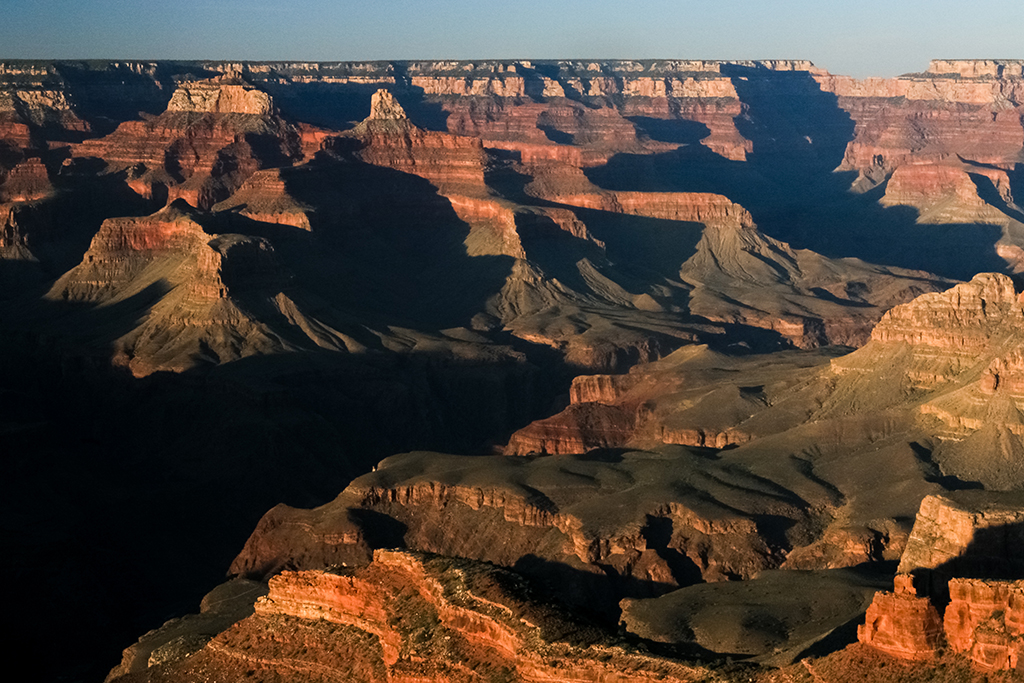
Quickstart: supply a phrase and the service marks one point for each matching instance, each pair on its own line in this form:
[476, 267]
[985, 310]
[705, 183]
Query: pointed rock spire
[384, 107]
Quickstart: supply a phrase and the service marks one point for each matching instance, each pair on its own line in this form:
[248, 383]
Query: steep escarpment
[592, 530]
[910, 116]
[947, 352]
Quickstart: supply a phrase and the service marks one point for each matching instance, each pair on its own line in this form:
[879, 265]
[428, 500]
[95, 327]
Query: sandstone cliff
[897, 120]
[210, 138]
[948, 354]
[955, 586]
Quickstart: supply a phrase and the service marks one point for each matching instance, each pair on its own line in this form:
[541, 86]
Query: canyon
[513, 370]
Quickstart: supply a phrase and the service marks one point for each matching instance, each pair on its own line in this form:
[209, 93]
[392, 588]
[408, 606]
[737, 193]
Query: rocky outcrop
[579, 428]
[537, 516]
[967, 319]
[409, 617]
[264, 198]
[220, 97]
[25, 221]
[734, 268]
[455, 164]
[948, 192]
[36, 97]
[959, 352]
[903, 623]
[208, 286]
[384, 107]
[967, 534]
[210, 139]
[606, 389]
[952, 352]
[961, 560]
[985, 621]
[28, 181]
[182, 637]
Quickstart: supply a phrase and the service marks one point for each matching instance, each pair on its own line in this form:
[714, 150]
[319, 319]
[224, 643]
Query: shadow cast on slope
[125, 499]
[995, 552]
[340, 106]
[642, 244]
[385, 244]
[790, 187]
[810, 207]
[681, 131]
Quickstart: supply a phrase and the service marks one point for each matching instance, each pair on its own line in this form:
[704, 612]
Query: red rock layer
[578, 429]
[985, 621]
[20, 223]
[902, 623]
[947, 192]
[212, 137]
[501, 227]
[605, 389]
[26, 182]
[14, 132]
[567, 185]
[453, 163]
[495, 109]
[264, 197]
[124, 247]
[971, 108]
[196, 319]
[972, 532]
[408, 618]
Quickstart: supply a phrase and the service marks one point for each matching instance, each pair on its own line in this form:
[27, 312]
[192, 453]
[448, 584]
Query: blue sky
[857, 38]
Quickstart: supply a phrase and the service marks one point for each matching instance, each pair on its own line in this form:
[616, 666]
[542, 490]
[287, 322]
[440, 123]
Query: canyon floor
[512, 370]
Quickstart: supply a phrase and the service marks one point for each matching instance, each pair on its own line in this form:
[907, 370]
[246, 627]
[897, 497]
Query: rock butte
[941, 598]
[722, 329]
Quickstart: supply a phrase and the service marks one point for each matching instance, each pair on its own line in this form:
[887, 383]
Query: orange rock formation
[983, 618]
[408, 617]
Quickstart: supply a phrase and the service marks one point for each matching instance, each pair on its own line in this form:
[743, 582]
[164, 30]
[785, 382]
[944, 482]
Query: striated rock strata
[410, 617]
[608, 529]
[962, 561]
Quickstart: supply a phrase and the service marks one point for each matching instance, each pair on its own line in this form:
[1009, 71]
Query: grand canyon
[509, 370]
